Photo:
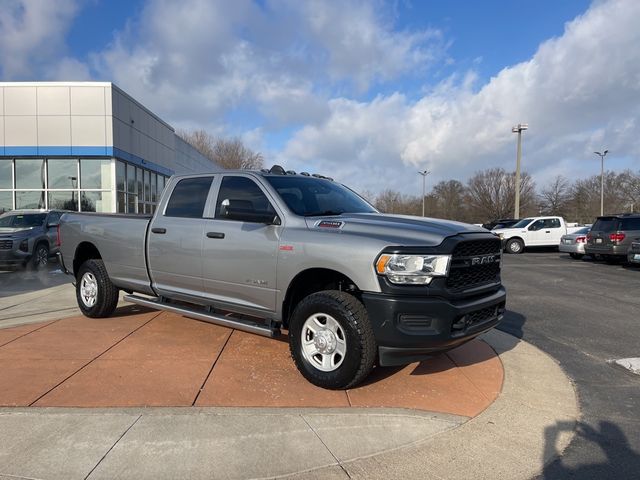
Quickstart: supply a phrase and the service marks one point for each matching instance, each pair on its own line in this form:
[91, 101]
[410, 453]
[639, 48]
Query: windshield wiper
[320, 214]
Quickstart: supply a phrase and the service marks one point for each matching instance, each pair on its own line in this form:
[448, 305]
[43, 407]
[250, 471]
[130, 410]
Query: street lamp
[518, 129]
[602, 155]
[424, 174]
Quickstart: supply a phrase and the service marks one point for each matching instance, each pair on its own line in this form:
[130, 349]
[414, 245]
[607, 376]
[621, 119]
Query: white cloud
[32, 33]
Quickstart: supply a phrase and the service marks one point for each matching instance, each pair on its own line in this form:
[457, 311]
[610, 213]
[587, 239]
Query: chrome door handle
[159, 230]
[215, 235]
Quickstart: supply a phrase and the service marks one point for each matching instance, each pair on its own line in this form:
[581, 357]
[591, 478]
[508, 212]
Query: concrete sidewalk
[513, 438]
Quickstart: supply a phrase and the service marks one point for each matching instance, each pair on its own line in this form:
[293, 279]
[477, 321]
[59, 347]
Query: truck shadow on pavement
[621, 461]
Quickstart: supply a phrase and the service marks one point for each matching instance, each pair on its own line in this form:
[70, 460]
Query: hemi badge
[330, 224]
[286, 248]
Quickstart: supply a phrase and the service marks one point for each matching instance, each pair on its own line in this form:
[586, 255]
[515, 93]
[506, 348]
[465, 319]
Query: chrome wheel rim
[42, 256]
[89, 289]
[324, 344]
[515, 247]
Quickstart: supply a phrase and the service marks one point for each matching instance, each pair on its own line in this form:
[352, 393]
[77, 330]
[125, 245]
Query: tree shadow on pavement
[621, 462]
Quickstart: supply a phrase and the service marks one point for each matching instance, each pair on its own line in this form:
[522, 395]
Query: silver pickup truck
[262, 251]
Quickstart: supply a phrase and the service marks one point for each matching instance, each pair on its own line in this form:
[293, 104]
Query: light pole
[424, 174]
[602, 155]
[518, 129]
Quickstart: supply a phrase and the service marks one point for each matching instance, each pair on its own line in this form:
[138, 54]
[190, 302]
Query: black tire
[576, 256]
[40, 258]
[105, 300]
[515, 246]
[353, 320]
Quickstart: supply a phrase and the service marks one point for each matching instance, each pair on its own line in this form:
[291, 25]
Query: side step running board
[230, 322]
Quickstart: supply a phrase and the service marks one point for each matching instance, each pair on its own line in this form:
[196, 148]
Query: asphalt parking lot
[584, 314]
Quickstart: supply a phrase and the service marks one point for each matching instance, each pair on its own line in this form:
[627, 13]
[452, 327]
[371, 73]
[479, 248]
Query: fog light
[24, 246]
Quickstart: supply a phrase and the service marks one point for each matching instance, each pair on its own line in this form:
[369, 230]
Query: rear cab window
[189, 198]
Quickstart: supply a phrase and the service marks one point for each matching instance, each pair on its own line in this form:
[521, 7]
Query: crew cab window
[189, 198]
[243, 193]
[537, 225]
[551, 223]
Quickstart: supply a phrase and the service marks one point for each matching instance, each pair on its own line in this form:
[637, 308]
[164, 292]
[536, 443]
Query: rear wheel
[515, 246]
[331, 340]
[97, 297]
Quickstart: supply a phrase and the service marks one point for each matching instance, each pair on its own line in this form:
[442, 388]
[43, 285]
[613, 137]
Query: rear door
[175, 238]
[240, 257]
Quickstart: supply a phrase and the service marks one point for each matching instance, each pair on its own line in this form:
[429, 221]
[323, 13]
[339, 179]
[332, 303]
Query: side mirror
[533, 228]
[231, 212]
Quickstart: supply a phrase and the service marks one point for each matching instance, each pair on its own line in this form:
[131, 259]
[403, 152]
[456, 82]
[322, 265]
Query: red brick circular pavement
[149, 358]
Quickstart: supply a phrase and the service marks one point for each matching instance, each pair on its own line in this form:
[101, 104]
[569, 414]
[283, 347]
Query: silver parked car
[573, 243]
[633, 255]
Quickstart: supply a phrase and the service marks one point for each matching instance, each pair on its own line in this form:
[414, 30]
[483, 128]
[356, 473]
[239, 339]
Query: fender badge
[330, 224]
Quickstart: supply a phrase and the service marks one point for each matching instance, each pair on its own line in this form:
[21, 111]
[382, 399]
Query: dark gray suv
[612, 235]
[28, 237]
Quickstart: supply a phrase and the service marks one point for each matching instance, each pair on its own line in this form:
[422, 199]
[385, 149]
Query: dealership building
[85, 146]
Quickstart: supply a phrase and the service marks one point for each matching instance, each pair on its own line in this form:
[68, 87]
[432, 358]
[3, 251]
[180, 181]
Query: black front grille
[6, 244]
[474, 263]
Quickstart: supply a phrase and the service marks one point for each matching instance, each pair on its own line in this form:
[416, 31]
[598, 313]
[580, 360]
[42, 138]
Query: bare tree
[447, 200]
[555, 197]
[491, 194]
[390, 201]
[229, 153]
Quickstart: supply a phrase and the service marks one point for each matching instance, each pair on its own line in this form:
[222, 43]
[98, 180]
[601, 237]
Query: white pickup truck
[533, 232]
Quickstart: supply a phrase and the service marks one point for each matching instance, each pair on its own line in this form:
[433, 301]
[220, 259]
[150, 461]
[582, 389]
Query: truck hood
[14, 232]
[393, 229]
[507, 231]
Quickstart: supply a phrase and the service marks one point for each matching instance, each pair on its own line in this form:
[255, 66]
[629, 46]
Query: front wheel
[331, 340]
[40, 256]
[97, 296]
[515, 246]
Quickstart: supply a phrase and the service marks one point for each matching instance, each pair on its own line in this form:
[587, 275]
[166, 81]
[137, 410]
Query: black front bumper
[411, 328]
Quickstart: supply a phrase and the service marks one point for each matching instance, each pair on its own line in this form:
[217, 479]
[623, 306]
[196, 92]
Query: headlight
[501, 235]
[412, 269]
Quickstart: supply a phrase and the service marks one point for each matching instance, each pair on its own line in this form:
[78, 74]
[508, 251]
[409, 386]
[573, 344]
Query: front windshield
[522, 223]
[22, 220]
[311, 196]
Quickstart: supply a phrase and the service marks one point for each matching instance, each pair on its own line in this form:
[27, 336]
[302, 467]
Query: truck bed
[119, 238]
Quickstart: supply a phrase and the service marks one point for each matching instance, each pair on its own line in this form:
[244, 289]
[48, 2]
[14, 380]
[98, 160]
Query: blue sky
[355, 86]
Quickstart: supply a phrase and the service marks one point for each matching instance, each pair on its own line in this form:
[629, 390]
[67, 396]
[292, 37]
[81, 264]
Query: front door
[240, 257]
[175, 239]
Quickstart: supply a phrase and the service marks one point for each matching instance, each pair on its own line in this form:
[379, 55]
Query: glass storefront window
[131, 179]
[63, 200]
[30, 199]
[6, 177]
[154, 188]
[96, 202]
[131, 203]
[29, 174]
[147, 186]
[95, 174]
[121, 206]
[62, 173]
[139, 178]
[6, 201]
[121, 172]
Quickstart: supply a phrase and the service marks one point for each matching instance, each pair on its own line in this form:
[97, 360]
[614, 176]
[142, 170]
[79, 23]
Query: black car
[502, 223]
[28, 236]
